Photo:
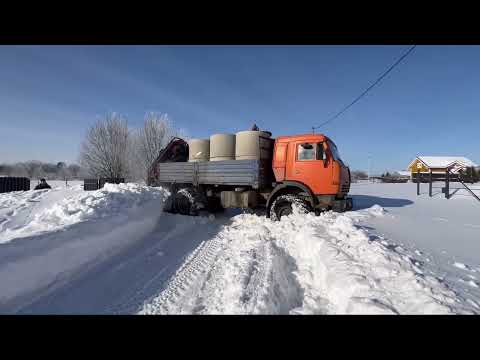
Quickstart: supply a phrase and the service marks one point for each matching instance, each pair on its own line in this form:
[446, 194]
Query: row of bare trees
[111, 149]
[36, 170]
[358, 175]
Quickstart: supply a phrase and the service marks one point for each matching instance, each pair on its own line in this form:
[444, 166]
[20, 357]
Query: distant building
[438, 165]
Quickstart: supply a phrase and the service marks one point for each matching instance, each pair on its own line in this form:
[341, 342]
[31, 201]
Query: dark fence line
[391, 179]
[448, 177]
[90, 184]
[95, 184]
[8, 184]
[425, 177]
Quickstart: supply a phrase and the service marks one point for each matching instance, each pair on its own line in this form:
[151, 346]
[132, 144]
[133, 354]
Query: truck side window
[319, 151]
[306, 151]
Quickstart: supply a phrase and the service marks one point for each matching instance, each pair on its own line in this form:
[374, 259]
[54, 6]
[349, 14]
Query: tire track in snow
[272, 287]
[239, 271]
[251, 276]
[187, 276]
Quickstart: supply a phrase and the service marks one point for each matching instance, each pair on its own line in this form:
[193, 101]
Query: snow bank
[359, 276]
[111, 200]
[303, 265]
[71, 236]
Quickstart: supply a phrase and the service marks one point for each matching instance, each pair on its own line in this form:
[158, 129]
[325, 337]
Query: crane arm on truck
[175, 151]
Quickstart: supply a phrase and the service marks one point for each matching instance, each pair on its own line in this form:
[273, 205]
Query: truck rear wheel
[186, 202]
[168, 205]
[283, 206]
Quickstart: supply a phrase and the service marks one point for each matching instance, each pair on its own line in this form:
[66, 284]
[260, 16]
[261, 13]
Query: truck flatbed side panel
[177, 172]
[228, 172]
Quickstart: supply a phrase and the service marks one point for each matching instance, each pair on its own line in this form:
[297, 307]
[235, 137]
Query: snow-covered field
[113, 251]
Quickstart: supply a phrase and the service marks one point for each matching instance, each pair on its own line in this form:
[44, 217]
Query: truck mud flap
[342, 205]
[349, 206]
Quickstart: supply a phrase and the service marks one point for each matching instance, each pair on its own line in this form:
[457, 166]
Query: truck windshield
[334, 150]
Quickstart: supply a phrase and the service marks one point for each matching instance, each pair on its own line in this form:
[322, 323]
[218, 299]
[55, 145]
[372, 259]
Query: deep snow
[304, 265]
[114, 251]
[444, 234]
[67, 232]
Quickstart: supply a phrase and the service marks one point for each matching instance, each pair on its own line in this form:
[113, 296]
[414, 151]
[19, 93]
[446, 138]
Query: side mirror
[324, 158]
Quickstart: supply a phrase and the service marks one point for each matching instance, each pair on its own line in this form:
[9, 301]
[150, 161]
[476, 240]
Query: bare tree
[18, 169]
[33, 169]
[358, 175]
[104, 152]
[6, 169]
[62, 171]
[135, 165]
[149, 140]
[36, 170]
[74, 170]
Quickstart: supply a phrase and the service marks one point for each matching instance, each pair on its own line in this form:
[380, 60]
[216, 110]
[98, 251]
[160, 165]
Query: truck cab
[311, 163]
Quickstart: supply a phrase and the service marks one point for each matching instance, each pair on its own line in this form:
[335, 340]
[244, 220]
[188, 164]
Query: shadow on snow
[367, 201]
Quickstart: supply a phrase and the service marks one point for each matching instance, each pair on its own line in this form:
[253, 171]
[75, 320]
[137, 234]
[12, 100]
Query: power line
[368, 89]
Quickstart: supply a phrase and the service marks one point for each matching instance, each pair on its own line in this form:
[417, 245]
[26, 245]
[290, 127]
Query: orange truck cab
[309, 167]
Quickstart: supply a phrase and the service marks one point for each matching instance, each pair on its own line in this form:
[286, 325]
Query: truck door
[309, 167]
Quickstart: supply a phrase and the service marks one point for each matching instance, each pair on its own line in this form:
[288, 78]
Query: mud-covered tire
[168, 205]
[282, 206]
[184, 202]
[187, 201]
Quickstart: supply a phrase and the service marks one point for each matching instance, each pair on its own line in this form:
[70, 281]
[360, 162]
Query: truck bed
[254, 173]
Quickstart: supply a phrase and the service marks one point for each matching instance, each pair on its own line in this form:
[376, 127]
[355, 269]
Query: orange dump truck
[305, 170]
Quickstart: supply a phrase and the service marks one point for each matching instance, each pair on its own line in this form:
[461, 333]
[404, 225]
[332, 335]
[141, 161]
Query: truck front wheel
[283, 206]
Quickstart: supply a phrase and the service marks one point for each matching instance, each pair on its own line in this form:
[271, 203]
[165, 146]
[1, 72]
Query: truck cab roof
[302, 137]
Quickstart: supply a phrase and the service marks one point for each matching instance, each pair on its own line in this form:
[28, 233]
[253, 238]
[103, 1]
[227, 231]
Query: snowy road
[113, 251]
[121, 284]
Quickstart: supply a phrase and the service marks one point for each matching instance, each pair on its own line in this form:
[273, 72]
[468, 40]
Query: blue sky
[428, 105]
